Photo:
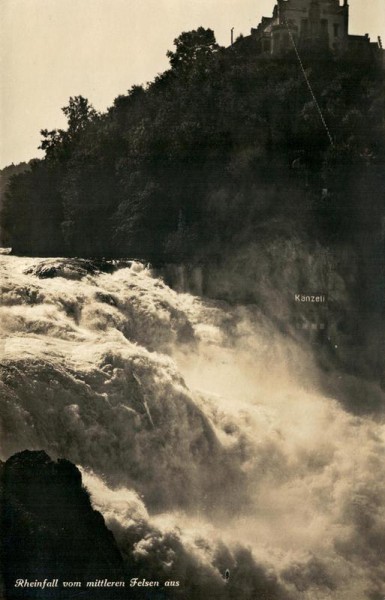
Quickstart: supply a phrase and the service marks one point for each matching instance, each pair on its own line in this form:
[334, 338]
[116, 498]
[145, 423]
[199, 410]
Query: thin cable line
[309, 85]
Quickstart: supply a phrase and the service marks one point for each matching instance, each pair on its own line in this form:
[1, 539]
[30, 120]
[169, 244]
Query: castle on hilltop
[316, 24]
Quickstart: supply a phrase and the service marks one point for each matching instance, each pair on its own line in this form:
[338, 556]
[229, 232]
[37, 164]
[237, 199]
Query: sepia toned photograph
[192, 300]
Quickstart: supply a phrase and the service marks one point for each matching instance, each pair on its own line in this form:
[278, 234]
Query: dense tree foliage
[194, 50]
[223, 147]
[5, 176]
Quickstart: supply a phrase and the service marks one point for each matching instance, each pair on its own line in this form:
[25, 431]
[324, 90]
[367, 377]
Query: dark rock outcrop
[49, 530]
[75, 268]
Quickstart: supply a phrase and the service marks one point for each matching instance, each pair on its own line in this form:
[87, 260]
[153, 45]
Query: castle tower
[311, 23]
[316, 30]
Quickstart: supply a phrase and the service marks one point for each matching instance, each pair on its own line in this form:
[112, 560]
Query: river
[198, 425]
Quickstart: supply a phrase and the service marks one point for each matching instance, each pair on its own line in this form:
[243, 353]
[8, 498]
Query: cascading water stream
[201, 431]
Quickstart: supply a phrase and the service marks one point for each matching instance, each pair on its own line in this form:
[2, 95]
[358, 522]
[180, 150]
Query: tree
[194, 49]
[32, 212]
[56, 143]
[79, 113]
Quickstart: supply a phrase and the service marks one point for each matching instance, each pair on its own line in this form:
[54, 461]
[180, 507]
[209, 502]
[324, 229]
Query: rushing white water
[201, 431]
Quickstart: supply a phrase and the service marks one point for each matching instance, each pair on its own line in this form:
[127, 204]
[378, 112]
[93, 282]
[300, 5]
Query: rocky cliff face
[50, 530]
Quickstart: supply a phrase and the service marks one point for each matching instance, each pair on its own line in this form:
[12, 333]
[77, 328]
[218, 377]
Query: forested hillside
[222, 148]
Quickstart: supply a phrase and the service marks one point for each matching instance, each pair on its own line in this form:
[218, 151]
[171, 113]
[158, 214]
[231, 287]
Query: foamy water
[200, 430]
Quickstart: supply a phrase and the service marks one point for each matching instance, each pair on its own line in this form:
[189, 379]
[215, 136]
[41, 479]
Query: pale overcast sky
[53, 49]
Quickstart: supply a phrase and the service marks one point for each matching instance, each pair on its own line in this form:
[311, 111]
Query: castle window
[336, 30]
[324, 25]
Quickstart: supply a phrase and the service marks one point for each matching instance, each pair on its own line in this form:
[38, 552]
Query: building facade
[317, 24]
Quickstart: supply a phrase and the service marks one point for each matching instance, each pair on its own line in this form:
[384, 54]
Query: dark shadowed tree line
[223, 146]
